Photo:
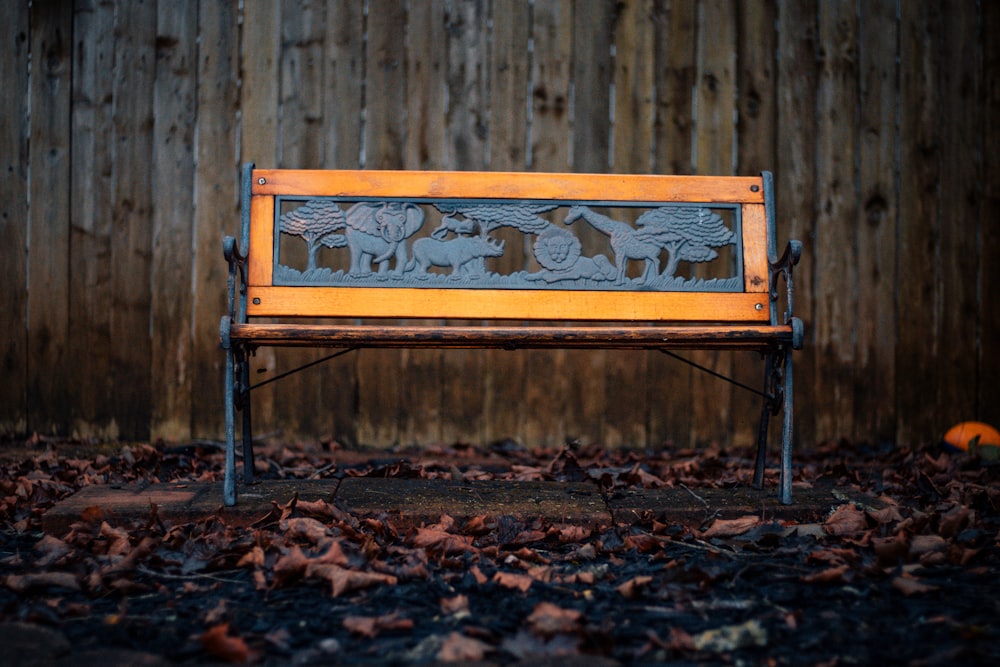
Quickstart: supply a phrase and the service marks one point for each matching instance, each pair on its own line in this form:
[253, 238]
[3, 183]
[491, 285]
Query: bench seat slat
[747, 337]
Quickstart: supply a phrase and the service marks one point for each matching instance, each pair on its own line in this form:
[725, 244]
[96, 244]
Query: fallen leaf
[305, 527]
[731, 527]
[922, 545]
[633, 587]
[845, 520]
[118, 539]
[437, 540]
[458, 605]
[521, 582]
[731, 637]
[220, 644]
[344, 581]
[252, 558]
[19, 583]
[548, 619]
[829, 575]
[290, 566]
[911, 586]
[459, 648]
[370, 626]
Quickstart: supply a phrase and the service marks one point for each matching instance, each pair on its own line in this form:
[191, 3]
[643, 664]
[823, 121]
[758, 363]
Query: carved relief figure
[456, 253]
[377, 232]
[558, 251]
[625, 242]
[687, 233]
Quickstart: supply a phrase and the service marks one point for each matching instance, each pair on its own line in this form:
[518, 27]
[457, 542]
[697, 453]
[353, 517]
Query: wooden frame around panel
[267, 300]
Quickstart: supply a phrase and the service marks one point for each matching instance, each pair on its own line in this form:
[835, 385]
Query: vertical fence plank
[14, 219]
[504, 372]
[550, 135]
[919, 178]
[301, 405]
[48, 216]
[836, 264]
[875, 373]
[343, 81]
[426, 105]
[462, 402]
[958, 210]
[260, 54]
[626, 415]
[795, 184]
[175, 114]
[670, 420]
[90, 221]
[988, 408]
[716, 100]
[217, 197]
[756, 151]
[592, 75]
[343, 105]
[132, 201]
[380, 376]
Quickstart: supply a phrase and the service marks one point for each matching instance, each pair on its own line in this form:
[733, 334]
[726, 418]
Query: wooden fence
[124, 123]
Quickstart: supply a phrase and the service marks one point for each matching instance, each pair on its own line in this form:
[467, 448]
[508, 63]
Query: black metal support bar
[715, 374]
[305, 366]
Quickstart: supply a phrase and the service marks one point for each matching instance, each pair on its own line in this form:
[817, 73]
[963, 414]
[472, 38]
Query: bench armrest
[237, 283]
[782, 268]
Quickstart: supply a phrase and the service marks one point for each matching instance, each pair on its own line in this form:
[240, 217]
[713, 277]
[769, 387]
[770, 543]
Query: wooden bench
[672, 263]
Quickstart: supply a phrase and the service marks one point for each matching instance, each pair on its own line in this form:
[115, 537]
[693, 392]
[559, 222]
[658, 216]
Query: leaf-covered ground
[911, 579]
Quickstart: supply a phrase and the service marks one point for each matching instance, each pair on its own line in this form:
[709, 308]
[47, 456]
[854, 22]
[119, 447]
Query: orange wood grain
[430, 303]
[505, 185]
[261, 251]
[755, 270]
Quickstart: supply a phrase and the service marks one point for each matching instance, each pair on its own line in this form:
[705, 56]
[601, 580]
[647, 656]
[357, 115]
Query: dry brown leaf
[252, 558]
[845, 520]
[455, 605]
[521, 582]
[290, 566]
[437, 540]
[731, 527]
[478, 575]
[829, 575]
[344, 581]
[117, 538]
[304, 527]
[911, 586]
[220, 644]
[567, 534]
[459, 648]
[548, 619]
[922, 545]
[19, 583]
[633, 587]
[51, 550]
[885, 515]
[370, 626]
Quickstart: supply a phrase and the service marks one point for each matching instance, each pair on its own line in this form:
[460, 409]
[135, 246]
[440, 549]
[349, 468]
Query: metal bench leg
[787, 432]
[247, 422]
[765, 418]
[229, 482]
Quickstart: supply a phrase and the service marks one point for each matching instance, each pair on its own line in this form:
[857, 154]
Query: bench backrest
[474, 245]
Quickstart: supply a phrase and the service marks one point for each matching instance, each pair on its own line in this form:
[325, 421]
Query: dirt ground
[899, 566]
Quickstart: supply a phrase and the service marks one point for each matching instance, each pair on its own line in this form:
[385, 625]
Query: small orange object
[960, 435]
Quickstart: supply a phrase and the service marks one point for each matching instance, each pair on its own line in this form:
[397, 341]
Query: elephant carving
[377, 232]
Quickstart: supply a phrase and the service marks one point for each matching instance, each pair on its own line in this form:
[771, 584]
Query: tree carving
[687, 233]
[315, 221]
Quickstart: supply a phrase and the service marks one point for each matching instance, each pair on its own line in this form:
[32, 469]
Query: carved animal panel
[376, 243]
